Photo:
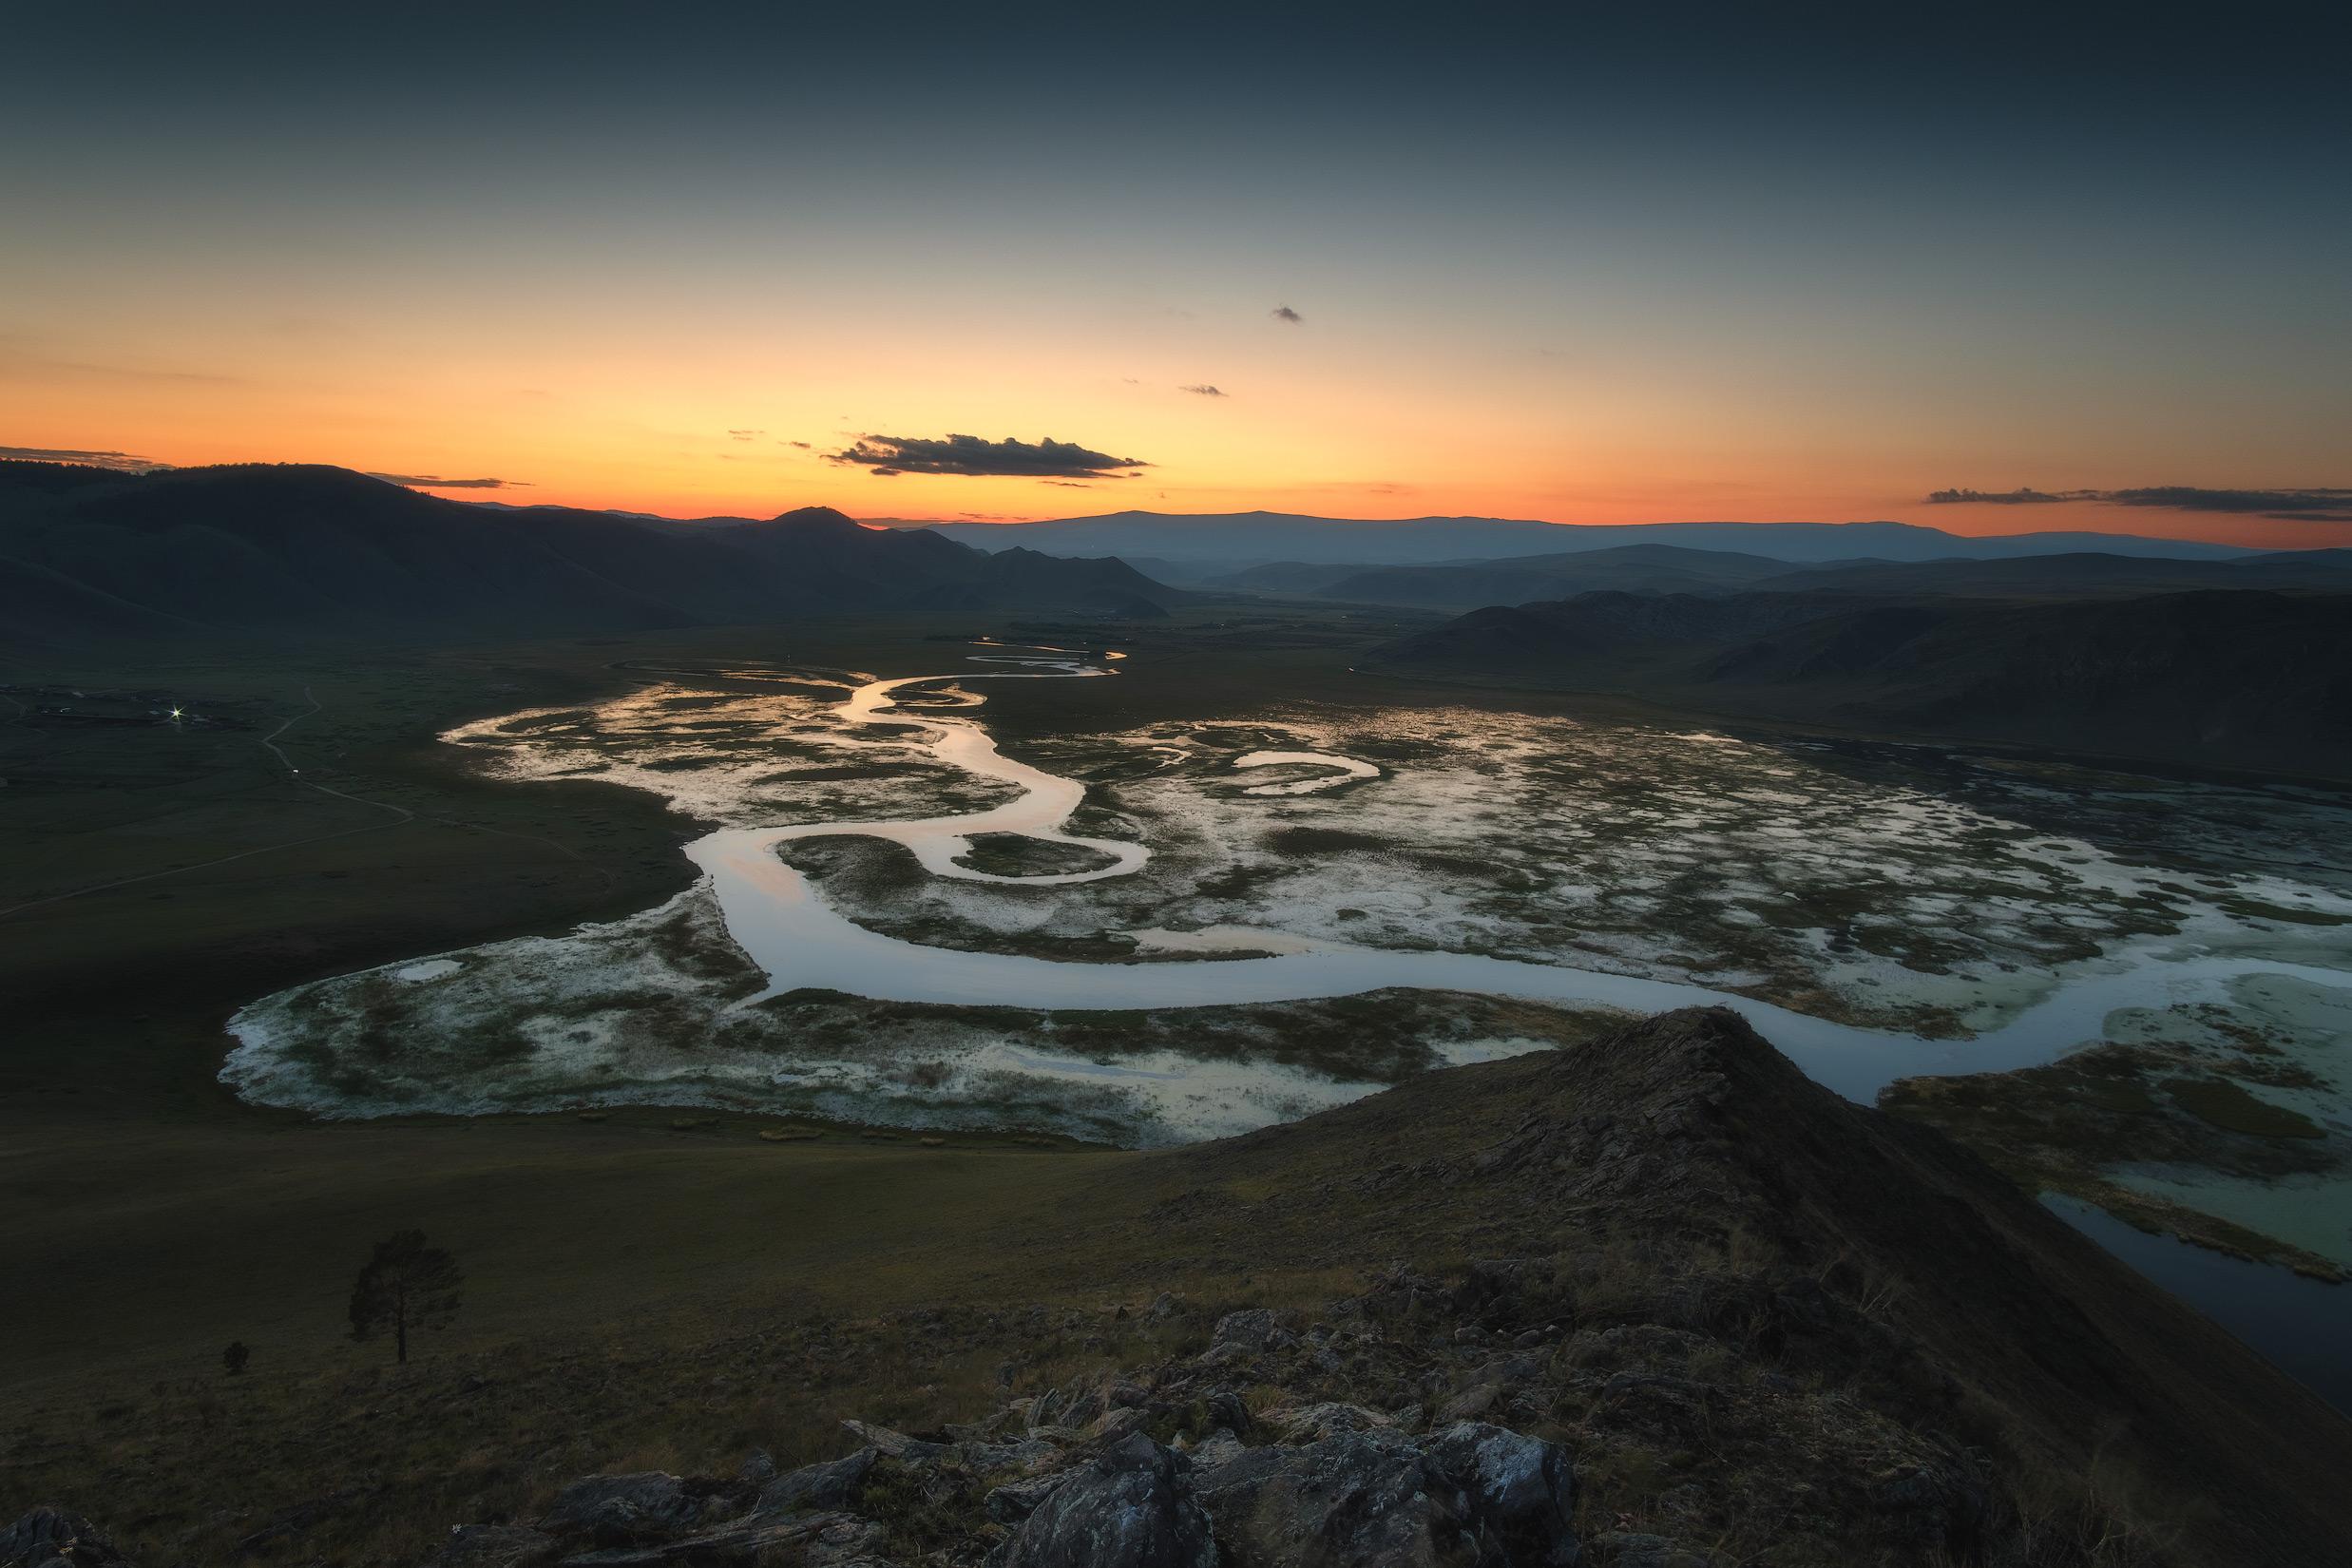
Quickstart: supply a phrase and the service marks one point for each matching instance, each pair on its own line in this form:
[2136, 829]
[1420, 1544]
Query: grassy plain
[152, 881]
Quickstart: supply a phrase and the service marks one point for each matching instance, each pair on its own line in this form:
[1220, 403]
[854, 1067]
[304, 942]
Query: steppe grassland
[1671, 855]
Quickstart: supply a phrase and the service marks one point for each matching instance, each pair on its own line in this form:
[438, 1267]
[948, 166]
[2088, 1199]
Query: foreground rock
[53, 1537]
[1710, 1315]
[1132, 1508]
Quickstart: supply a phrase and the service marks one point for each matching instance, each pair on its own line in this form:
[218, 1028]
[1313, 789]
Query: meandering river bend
[800, 940]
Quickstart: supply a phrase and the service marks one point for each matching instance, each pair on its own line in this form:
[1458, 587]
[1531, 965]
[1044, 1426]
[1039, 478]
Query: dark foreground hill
[292, 549]
[1652, 1300]
[2237, 678]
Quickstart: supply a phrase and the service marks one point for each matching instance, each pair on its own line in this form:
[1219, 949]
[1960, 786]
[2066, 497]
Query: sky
[1717, 264]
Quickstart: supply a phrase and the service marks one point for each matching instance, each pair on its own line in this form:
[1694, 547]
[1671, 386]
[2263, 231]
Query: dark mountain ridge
[1246, 539]
[303, 548]
[1631, 569]
[2242, 677]
[2075, 575]
[1668, 569]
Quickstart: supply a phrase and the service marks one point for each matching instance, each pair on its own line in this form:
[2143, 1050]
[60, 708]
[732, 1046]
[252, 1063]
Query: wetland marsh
[1153, 935]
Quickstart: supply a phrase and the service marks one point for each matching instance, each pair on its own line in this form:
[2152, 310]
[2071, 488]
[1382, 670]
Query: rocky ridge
[1715, 1316]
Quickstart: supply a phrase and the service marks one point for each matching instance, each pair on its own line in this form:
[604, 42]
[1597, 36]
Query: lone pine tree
[406, 1284]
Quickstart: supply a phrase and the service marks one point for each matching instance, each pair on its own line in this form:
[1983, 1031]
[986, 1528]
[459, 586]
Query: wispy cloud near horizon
[121, 462]
[430, 482]
[2315, 503]
[969, 456]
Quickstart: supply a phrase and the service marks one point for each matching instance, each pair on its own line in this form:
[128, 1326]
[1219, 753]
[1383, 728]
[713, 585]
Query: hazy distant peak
[819, 517]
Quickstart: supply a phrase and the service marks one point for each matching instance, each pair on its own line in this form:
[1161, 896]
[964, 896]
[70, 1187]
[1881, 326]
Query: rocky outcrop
[53, 1537]
[1715, 1315]
[1132, 1508]
[818, 1485]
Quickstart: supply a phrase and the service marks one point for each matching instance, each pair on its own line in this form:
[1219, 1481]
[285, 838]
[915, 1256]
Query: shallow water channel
[800, 940]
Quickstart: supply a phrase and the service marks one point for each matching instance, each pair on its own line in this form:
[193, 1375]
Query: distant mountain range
[1214, 543]
[1666, 568]
[2242, 678]
[89, 551]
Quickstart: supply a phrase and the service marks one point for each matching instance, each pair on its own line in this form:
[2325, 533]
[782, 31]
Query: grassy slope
[641, 1300]
[148, 1218]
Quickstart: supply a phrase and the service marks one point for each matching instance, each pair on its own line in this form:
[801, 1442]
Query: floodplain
[1909, 894]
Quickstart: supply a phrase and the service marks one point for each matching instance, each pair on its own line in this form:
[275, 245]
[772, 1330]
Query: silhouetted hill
[322, 550]
[2081, 575]
[1240, 540]
[1630, 569]
[2243, 678]
[2247, 678]
[1563, 635]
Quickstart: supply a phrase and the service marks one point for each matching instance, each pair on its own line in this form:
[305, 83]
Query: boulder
[898, 1445]
[758, 1468]
[1519, 1490]
[1316, 1421]
[1247, 1330]
[826, 1486]
[1133, 1507]
[1219, 1448]
[51, 1537]
[1361, 1500]
[1119, 1422]
[1017, 1499]
[614, 1509]
[1376, 1498]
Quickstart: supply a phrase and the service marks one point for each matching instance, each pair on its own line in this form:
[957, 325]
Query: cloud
[1283, 313]
[744, 435]
[1204, 390]
[122, 462]
[802, 445]
[429, 481]
[2275, 503]
[1066, 485]
[2315, 503]
[2022, 496]
[972, 457]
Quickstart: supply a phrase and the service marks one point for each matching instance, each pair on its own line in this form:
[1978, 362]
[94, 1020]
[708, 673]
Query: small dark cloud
[802, 445]
[971, 456]
[430, 482]
[2022, 496]
[1065, 484]
[1283, 313]
[2316, 503]
[1204, 390]
[744, 435]
[2184, 498]
[122, 462]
